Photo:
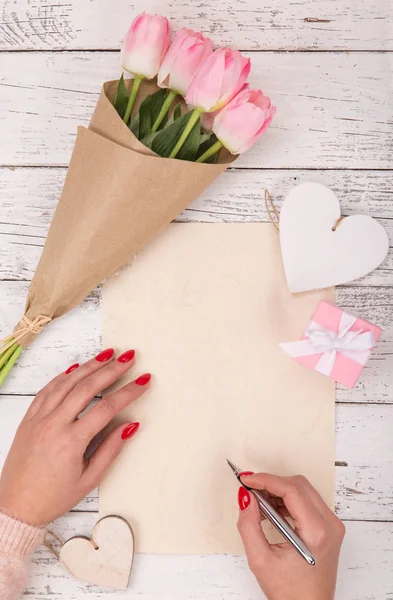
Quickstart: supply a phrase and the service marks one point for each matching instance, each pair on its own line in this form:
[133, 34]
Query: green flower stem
[131, 100]
[8, 366]
[165, 107]
[7, 353]
[189, 127]
[210, 152]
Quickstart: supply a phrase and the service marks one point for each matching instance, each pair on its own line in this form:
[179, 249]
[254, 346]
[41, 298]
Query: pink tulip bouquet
[223, 112]
[154, 143]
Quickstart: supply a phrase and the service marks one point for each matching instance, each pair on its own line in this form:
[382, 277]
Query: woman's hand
[281, 572]
[46, 472]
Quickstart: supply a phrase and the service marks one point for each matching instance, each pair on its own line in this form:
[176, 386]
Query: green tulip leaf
[134, 125]
[205, 137]
[145, 120]
[177, 112]
[205, 145]
[148, 113]
[148, 140]
[120, 100]
[189, 150]
[166, 139]
[157, 102]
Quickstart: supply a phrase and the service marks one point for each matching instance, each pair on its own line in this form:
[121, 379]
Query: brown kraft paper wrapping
[117, 196]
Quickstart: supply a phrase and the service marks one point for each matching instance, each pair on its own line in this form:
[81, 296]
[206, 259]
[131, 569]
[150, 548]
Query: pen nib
[233, 467]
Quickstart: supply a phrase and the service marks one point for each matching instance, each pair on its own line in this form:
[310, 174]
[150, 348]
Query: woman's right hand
[280, 570]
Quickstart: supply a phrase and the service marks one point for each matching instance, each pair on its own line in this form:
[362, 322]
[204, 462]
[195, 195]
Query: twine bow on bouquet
[11, 346]
[154, 143]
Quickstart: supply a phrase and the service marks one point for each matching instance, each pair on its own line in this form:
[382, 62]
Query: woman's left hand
[47, 472]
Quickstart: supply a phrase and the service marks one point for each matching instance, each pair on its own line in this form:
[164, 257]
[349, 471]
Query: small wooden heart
[105, 559]
[316, 252]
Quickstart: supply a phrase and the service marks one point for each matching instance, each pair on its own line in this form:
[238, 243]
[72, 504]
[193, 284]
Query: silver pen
[276, 519]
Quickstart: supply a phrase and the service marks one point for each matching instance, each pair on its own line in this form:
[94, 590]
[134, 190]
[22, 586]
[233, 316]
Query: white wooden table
[327, 64]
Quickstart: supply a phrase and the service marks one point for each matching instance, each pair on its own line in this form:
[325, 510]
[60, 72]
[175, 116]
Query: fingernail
[126, 356]
[105, 355]
[72, 368]
[129, 431]
[143, 379]
[246, 473]
[244, 498]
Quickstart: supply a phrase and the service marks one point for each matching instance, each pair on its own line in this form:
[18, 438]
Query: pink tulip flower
[207, 119]
[145, 45]
[219, 78]
[182, 60]
[239, 124]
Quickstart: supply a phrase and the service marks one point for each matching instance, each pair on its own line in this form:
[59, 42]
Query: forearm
[17, 543]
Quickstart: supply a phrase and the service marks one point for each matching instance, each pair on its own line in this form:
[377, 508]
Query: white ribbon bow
[355, 345]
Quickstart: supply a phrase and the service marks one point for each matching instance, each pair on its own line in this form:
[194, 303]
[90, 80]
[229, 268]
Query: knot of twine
[26, 325]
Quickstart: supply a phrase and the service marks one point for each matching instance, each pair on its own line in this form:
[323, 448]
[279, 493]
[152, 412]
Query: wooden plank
[28, 197]
[365, 570]
[364, 453]
[77, 336]
[334, 110]
[364, 443]
[287, 25]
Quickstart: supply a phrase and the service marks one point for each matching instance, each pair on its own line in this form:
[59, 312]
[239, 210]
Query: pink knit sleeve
[17, 543]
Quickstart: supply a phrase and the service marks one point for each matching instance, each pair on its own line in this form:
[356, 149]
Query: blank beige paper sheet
[205, 306]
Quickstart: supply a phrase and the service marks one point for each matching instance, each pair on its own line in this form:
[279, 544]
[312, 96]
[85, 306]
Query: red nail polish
[246, 473]
[105, 355]
[244, 498]
[126, 356]
[143, 379]
[72, 368]
[129, 431]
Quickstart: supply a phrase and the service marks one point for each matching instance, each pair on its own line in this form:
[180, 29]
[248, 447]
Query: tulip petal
[257, 97]
[165, 69]
[207, 121]
[238, 127]
[269, 119]
[145, 45]
[204, 90]
[236, 73]
[137, 23]
[184, 57]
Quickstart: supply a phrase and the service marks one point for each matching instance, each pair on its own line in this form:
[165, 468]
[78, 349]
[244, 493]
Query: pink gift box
[332, 323]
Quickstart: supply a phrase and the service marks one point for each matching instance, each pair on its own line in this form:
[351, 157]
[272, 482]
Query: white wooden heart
[314, 255]
[105, 559]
